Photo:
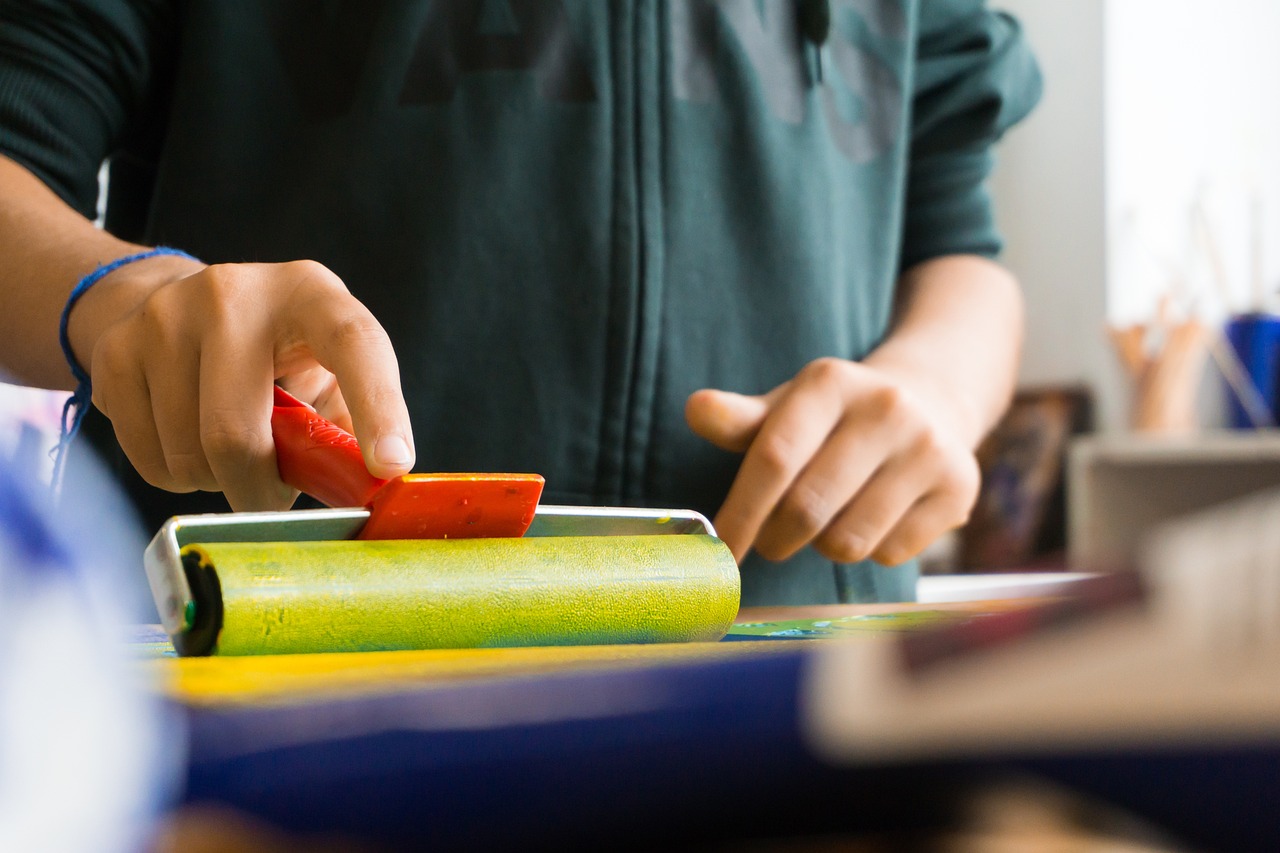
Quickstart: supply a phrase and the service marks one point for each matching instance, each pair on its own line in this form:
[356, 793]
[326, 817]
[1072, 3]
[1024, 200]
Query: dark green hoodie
[568, 214]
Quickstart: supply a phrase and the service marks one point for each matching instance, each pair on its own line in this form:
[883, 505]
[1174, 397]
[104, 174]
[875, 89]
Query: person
[722, 255]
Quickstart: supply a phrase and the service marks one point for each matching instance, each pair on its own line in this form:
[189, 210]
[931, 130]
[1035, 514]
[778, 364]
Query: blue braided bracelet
[78, 404]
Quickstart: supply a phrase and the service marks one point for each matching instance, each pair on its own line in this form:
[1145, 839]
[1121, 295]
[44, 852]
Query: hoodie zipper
[634, 302]
[639, 397]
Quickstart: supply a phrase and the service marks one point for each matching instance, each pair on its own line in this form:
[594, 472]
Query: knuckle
[842, 546]
[774, 452]
[153, 476]
[226, 286]
[380, 399]
[188, 469]
[825, 372]
[907, 541]
[902, 546]
[218, 275]
[114, 374]
[928, 444]
[223, 437]
[888, 403]
[308, 268]
[358, 331]
[111, 354]
[214, 297]
[220, 286]
[155, 315]
[313, 273]
[804, 511]
[892, 555]
[771, 551]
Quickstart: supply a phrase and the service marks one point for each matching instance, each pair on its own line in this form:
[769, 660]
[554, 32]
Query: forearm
[956, 340]
[46, 247]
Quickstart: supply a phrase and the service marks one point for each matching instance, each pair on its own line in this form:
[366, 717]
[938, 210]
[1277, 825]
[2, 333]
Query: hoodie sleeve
[74, 76]
[974, 78]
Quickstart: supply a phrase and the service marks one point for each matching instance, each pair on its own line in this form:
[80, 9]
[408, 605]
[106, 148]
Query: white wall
[1193, 113]
[1049, 190]
[1149, 105]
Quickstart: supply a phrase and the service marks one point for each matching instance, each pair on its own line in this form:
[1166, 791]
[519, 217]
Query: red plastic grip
[454, 506]
[324, 460]
[318, 457]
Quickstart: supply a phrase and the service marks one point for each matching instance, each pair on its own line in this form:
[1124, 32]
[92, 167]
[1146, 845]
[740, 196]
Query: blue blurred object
[87, 758]
[1255, 338]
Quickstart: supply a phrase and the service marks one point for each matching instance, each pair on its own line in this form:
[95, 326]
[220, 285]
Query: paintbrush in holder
[1165, 360]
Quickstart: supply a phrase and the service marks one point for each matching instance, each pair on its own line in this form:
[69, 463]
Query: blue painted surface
[652, 757]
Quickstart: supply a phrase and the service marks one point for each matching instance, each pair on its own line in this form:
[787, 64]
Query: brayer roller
[462, 561]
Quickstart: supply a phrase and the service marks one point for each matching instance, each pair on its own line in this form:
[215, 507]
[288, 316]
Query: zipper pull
[815, 27]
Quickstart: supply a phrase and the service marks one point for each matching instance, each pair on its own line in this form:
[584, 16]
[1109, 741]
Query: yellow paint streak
[298, 679]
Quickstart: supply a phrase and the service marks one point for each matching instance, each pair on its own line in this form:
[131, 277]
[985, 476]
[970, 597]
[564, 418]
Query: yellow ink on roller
[335, 596]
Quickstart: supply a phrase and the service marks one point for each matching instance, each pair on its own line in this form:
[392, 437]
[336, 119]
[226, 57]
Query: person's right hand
[183, 358]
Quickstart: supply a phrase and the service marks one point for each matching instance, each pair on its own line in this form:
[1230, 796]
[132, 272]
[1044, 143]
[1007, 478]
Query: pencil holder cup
[1255, 338]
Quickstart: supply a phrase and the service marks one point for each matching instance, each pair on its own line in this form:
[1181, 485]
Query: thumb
[729, 421]
[346, 339]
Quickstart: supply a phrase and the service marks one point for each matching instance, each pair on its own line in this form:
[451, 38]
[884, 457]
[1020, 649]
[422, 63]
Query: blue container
[1256, 340]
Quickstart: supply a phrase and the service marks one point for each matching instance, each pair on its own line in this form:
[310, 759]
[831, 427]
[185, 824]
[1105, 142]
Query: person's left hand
[855, 460]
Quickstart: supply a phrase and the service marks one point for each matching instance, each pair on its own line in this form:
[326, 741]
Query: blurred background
[1141, 208]
[1158, 138]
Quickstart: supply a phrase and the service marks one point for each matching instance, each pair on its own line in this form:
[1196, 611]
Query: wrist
[118, 294]
[956, 339]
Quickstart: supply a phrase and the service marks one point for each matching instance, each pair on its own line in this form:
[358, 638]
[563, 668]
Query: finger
[866, 520]
[235, 422]
[345, 338]
[319, 388]
[333, 406]
[124, 395]
[928, 519]
[792, 433]
[837, 472]
[728, 420]
[177, 422]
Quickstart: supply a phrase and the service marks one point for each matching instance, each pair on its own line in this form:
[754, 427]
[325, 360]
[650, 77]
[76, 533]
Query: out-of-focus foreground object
[86, 757]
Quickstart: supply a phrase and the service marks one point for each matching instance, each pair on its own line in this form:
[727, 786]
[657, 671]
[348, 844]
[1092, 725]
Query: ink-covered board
[273, 680]
[836, 627]
[559, 748]
[718, 744]
[298, 679]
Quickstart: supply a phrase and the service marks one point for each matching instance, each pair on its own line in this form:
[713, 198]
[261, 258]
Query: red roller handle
[318, 457]
[324, 461]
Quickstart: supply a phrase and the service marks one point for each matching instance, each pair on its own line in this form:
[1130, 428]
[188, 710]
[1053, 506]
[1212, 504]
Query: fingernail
[392, 450]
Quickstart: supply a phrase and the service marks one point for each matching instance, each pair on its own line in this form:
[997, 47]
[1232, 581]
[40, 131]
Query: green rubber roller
[288, 583]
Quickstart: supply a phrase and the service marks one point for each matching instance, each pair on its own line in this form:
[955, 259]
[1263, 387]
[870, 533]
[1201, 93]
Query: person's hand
[855, 460]
[183, 358]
